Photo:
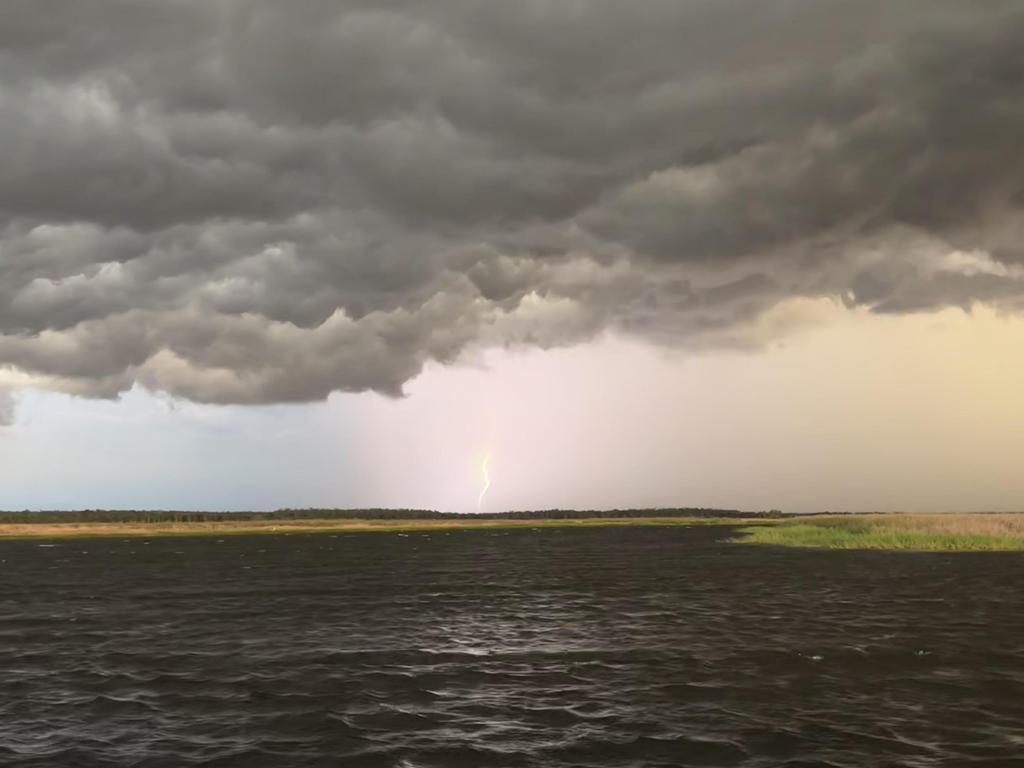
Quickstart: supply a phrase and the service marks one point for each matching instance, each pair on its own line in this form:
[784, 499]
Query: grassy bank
[918, 533]
[922, 533]
[238, 527]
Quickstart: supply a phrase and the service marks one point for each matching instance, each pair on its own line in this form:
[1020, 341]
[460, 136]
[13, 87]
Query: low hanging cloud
[7, 407]
[246, 201]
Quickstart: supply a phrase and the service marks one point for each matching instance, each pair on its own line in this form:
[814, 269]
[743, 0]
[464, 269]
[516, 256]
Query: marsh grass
[921, 533]
[279, 527]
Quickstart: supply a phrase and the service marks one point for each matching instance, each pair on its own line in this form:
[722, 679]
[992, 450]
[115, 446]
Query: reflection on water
[602, 647]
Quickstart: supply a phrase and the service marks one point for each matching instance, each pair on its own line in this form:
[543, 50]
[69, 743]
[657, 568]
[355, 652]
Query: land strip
[975, 532]
[907, 532]
[222, 527]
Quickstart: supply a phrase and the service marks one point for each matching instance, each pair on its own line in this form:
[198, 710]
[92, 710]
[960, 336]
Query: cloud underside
[253, 201]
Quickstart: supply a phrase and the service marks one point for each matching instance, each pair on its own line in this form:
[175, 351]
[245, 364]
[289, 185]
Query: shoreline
[894, 532]
[899, 532]
[87, 530]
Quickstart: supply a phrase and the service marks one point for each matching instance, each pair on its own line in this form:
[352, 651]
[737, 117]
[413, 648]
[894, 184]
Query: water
[601, 647]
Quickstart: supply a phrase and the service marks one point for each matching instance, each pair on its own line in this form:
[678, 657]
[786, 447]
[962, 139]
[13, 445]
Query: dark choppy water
[602, 647]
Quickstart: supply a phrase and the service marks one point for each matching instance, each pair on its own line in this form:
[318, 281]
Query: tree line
[180, 516]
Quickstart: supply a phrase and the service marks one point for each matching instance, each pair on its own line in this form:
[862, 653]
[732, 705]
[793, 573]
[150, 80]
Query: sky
[734, 254]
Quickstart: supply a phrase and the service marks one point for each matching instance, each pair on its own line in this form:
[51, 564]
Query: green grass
[875, 532]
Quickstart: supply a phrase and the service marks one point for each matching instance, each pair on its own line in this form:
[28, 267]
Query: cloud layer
[250, 201]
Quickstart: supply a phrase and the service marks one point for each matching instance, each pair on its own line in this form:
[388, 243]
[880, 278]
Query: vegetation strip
[978, 532]
[229, 527]
[906, 532]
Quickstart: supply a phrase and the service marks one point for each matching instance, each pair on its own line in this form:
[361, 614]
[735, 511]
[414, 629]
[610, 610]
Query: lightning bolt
[487, 482]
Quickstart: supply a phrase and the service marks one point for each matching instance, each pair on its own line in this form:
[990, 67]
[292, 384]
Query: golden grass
[975, 524]
[231, 527]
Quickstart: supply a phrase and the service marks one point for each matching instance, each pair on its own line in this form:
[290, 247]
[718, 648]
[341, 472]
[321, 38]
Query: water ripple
[603, 647]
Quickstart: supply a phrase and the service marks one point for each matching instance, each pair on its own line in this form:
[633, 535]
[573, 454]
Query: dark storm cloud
[252, 201]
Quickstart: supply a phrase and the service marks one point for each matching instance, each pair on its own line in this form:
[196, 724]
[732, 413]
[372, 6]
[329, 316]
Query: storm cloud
[246, 201]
